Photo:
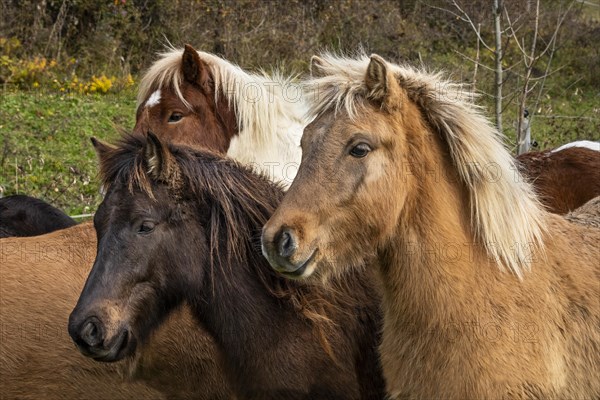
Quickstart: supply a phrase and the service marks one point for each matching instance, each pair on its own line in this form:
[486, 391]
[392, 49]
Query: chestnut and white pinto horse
[197, 98]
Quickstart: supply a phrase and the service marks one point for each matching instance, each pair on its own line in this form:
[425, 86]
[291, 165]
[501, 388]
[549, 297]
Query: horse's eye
[175, 117]
[146, 227]
[360, 150]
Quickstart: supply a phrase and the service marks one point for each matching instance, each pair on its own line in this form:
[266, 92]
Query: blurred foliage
[120, 37]
[125, 34]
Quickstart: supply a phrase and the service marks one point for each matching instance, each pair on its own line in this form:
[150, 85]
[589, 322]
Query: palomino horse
[27, 216]
[486, 295]
[40, 279]
[197, 98]
[564, 178]
[188, 230]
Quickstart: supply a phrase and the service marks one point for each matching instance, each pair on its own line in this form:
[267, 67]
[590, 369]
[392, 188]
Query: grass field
[45, 144]
[46, 151]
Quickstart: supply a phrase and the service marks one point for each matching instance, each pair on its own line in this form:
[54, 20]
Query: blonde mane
[505, 213]
[257, 99]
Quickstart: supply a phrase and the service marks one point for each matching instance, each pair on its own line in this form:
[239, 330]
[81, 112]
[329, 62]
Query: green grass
[563, 116]
[45, 148]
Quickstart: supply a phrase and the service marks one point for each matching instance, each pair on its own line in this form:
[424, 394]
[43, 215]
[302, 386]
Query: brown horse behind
[197, 98]
[563, 180]
[40, 280]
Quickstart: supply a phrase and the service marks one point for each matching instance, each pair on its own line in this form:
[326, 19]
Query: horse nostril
[286, 244]
[91, 332]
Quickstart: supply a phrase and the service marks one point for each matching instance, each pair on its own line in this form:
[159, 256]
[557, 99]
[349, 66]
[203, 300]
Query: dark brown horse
[40, 280]
[563, 179]
[27, 216]
[183, 225]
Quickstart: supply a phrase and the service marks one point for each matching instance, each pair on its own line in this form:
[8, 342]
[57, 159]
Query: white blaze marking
[154, 99]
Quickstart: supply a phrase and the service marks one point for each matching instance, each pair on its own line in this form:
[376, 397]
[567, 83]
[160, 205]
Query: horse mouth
[117, 350]
[305, 269]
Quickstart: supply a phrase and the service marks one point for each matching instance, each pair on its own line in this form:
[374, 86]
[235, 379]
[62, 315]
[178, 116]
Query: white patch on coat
[588, 144]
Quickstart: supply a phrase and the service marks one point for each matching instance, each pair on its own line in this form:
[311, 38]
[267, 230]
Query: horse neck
[429, 265]
[236, 306]
[245, 321]
[235, 290]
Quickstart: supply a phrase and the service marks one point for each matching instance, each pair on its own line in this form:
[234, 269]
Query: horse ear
[196, 70]
[376, 79]
[317, 67]
[102, 148]
[381, 85]
[161, 163]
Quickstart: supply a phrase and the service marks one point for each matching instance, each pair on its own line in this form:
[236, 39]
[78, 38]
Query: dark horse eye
[360, 150]
[175, 117]
[146, 227]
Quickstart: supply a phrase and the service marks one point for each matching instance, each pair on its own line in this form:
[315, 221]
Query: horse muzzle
[282, 252]
[91, 339]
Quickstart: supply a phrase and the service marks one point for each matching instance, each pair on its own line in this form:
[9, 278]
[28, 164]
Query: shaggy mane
[240, 200]
[258, 115]
[505, 215]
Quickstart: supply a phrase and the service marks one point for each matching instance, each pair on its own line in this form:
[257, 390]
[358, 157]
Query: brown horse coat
[40, 280]
[565, 179]
[588, 214]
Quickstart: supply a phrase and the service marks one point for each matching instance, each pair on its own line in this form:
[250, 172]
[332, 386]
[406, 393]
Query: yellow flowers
[24, 72]
[40, 73]
[129, 82]
[9, 45]
[97, 84]
[101, 84]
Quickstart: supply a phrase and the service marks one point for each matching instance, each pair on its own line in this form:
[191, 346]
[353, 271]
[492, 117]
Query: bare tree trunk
[524, 143]
[522, 140]
[56, 29]
[477, 58]
[498, 59]
[530, 57]
[529, 61]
